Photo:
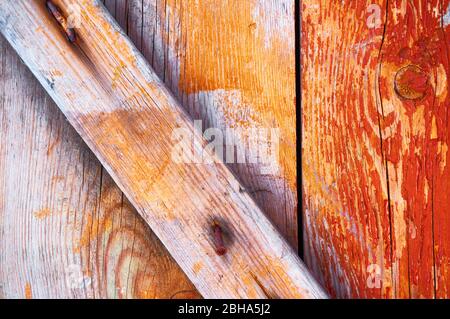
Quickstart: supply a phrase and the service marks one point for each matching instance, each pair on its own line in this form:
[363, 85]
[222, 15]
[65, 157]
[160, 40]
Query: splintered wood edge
[127, 117]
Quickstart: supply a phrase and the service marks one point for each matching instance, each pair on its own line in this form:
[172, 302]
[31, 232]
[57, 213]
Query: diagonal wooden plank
[346, 220]
[127, 117]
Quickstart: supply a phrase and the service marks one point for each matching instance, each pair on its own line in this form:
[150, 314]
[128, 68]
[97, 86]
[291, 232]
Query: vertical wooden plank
[346, 216]
[414, 91]
[49, 181]
[441, 181]
[375, 133]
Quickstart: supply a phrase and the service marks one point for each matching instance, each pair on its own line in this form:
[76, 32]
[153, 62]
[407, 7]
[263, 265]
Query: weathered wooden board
[265, 252]
[66, 230]
[375, 108]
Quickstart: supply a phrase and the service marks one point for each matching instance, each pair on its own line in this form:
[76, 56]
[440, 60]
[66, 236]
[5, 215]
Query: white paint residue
[226, 108]
[446, 18]
[276, 18]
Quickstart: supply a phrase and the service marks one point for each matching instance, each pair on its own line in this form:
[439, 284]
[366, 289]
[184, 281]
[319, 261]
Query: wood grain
[149, 27]
[239, 72]
[122, 96]
[66, 230]
[231, 64]
[375, 135]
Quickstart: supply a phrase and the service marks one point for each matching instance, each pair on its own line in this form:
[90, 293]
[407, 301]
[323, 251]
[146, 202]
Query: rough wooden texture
[66, 230]
[231, 63]
[375, 108]
[234, 66]
[150, 27]
[126, 116]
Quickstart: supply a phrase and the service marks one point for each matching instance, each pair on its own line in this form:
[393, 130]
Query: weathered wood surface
[66, 230]
[231, 64]
[150, 27]
[375, 108]
[262, 263]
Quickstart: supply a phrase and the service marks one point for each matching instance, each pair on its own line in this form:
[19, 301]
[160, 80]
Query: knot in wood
[411, 82]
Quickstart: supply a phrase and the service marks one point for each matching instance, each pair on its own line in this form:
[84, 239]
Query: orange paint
[344, 198]
[53, 144]
[28, 292]
[415, 169]
[43, 213]
[375, 109]
[58, 178]
[231, 53]
[92, 230]
[197, 267]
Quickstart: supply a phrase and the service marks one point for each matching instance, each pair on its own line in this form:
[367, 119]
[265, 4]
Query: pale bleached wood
[66, 230]
[48, 178]
[128, 120]
[124, 256]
